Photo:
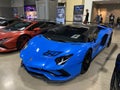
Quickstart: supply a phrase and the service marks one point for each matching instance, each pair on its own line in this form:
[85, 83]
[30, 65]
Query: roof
[84, 25]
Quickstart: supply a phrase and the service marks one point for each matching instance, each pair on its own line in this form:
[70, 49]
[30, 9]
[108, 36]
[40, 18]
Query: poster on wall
[78, 13]
[60, 18]
[30, 12]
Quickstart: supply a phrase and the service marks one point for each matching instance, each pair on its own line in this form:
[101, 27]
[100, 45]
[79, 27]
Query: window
[34, 26]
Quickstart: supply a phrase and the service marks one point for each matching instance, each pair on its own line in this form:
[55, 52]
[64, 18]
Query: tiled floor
[13, 77]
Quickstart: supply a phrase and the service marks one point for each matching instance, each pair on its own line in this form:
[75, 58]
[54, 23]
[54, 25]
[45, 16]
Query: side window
[100, 28]
[93, 34]
[34, 26]
[44, 25]
[96, 31]
[47, 24]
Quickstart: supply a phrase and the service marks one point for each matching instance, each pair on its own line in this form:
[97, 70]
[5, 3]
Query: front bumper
[51, 75]
[58, 75]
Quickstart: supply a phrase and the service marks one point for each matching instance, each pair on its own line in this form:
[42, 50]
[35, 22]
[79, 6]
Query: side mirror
[36, 29]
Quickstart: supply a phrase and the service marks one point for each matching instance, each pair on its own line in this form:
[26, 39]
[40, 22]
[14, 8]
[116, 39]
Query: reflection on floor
[12, 77]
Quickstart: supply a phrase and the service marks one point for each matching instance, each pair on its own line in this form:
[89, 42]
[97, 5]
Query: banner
[60, 18]
[30, 12]
[78, 13]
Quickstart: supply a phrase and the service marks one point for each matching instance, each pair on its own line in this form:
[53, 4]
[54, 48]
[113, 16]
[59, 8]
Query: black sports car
[4, 22]
[115, 81]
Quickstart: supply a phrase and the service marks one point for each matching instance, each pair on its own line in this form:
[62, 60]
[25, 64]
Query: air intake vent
[51, 53]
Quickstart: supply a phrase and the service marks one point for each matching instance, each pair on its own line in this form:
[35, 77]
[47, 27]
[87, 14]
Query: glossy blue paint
[40, 54]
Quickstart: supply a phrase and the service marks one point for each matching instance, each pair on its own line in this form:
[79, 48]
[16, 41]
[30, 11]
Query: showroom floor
[13, 77]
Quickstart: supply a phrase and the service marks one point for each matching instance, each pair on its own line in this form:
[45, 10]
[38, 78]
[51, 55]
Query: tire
[104, 39]
[109, 42]
[86, 62]
[115, 80]
[22, 40]
[112, 83]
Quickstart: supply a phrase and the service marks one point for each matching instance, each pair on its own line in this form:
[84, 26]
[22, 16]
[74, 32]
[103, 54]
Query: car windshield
[2, 22]
[67, 34]
[17, 26]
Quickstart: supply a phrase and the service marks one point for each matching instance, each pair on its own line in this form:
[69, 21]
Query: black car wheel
[22, 40]
[86, 62]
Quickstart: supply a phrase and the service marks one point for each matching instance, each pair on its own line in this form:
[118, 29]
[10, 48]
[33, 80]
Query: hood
[43, 52]
[42, 45]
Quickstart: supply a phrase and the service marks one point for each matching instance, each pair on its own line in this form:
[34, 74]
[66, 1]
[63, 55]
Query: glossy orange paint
[9, 39]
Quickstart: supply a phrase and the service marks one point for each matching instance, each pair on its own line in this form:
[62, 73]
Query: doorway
[105, 8]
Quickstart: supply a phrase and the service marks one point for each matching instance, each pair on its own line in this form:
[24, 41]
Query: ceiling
[108, 2]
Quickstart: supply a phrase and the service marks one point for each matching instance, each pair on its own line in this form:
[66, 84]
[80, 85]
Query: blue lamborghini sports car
[65, 51]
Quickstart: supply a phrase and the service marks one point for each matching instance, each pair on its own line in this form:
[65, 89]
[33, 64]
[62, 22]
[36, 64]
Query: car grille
[56, 73]
[51, 53]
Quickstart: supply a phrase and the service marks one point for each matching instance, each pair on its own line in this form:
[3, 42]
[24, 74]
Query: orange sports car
[15, 36]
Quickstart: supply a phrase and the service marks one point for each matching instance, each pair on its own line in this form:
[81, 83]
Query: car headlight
[61, 60]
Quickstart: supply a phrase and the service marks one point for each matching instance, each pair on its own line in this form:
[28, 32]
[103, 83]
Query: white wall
[17, 3]
[46, 9]
[5, 8]
[62, 1]
[29, 2]
[5, 3]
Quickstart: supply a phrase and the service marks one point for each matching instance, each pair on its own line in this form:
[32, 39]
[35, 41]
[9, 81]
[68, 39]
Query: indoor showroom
[59, 44]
